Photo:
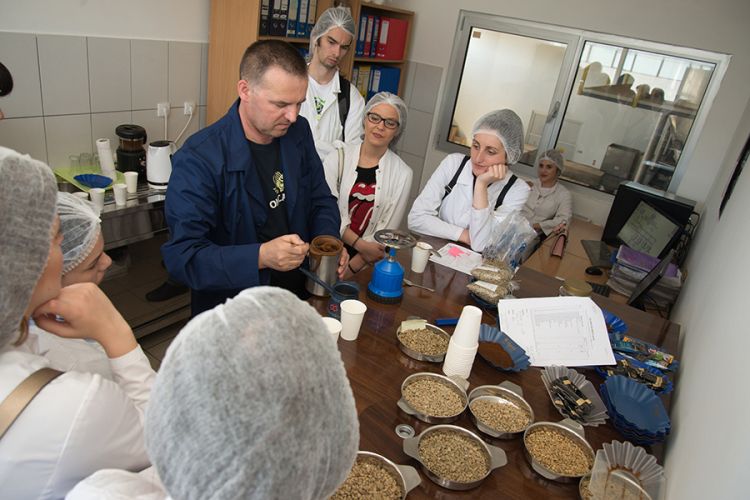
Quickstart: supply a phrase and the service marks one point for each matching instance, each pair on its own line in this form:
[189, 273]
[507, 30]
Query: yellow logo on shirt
[278, 182]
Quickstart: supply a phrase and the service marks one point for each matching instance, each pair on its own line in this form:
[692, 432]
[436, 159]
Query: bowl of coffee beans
[432, 398]
[558, 450]
[500, 411]
[453, 457]
[428, 343]
[374, 476]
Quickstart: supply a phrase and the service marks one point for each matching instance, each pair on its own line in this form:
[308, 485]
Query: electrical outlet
[189, 107]
[162, 109]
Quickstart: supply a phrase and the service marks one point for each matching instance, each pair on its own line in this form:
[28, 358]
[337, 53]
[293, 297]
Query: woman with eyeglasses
[370, 181]
[467, 193]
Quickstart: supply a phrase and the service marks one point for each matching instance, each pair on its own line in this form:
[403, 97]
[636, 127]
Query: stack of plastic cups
[106, 159]
[464, 343]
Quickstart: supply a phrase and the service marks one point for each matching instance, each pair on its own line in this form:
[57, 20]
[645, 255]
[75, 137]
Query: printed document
[567, 331]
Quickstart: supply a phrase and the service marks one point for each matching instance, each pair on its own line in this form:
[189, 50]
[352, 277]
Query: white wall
[177, 20]
[708, 453]
[716, 26]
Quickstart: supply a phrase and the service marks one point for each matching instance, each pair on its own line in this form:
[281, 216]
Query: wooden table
[376, 368]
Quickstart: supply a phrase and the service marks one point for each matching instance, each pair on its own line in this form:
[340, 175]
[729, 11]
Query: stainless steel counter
[133, 235]
[140, 219]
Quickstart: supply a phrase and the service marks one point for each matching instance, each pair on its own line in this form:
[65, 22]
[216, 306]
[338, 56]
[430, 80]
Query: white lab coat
[327, 131]
[549, 209]
[112, 484]
[77, 424]
[71, 354]
[392, 185]
[447, 219]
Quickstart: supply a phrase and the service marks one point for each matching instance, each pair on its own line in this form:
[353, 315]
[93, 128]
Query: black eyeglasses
[376, 118]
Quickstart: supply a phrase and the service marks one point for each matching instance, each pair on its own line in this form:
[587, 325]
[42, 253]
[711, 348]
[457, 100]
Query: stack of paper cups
[106, 160]
[464, 343]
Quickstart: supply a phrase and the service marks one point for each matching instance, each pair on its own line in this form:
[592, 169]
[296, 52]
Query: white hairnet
[335, 17]
[79, 224]
[555, 157]
[398, 104]
[252, 401]
[27, 211]
[506, 126]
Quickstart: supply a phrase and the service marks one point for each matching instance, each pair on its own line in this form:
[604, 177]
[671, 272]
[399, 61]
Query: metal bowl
[495, 456]
[421, 356]
[505, 393]
[406, 476]
[570, 429]
[431, 419]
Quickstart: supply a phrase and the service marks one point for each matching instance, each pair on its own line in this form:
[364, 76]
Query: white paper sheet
[457, 257]
[568, 331]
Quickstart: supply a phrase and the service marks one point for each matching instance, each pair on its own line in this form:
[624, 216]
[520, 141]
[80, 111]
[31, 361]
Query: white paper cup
[334, 327]
[352, 313]
[97, 197]
[466, 333]
[459, 360]
[420, 255]
[81, 194]
[121, 194]
[131, 181]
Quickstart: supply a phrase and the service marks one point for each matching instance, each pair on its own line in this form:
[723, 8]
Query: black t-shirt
[267, 162]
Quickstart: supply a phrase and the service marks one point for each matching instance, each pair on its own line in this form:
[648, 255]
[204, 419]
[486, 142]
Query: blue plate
[637, 405]
[518, 356]
[93, 180]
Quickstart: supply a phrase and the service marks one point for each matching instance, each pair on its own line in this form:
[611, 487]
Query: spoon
[411, 283]
[319, 281]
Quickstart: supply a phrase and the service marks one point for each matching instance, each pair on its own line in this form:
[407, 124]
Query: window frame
[576, 40]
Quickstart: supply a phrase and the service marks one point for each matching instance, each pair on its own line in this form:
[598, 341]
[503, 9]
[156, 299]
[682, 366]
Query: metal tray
[504, 392]
[569, 428]
[430, 419]
[495, 457]
[420, 356]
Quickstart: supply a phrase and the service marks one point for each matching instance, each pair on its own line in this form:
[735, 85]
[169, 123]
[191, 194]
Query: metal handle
[573, 426]
[411, 447]
[405, 407]
[512, 387]
[411, 476]
[498, 458]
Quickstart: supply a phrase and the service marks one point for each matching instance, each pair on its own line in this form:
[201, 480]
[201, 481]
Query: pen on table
[446, 322]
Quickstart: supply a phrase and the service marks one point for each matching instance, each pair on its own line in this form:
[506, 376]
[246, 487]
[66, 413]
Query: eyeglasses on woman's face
[375, 118]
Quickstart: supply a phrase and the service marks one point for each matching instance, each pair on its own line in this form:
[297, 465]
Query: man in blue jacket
[248, 193]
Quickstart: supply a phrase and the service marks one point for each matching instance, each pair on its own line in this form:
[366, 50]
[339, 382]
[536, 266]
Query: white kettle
[159, 163]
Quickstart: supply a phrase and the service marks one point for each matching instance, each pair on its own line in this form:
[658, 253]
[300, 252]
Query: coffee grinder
[386, 285]
[131, 157]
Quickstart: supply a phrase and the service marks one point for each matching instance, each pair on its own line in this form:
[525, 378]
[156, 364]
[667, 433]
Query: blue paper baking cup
[93, 180]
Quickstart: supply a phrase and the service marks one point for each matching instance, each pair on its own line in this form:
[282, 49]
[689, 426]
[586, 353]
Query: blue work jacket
[215, 207]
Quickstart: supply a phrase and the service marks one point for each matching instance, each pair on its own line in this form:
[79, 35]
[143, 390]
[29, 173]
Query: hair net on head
[79, 224]
[252, 401]
[555, 157]
[335, 17]
[27, 210]
[398, 104]
[506, 126]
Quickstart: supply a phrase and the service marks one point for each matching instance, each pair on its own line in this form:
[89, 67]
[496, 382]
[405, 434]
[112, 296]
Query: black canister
[131, 157]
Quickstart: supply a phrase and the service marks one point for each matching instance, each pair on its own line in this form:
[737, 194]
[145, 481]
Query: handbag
[17, 401]
[558, 247]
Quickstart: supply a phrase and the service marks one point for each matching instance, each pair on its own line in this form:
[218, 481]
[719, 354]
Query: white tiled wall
[71, 90]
